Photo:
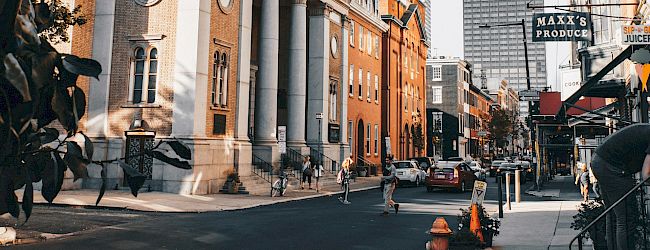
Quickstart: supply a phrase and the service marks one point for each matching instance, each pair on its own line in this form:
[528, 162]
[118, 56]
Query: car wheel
[463, 188]
[429, 189]
[417, 181]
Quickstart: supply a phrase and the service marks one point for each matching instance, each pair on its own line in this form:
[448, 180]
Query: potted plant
[586, 214]
[489, 226]
[232, 182]
[464, 239]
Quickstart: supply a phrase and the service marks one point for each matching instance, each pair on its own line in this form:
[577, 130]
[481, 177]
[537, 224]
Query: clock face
[334, 46]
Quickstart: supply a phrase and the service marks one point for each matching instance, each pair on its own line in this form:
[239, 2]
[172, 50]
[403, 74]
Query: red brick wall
[82, 46]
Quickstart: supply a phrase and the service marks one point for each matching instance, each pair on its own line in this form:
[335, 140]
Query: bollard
[440, 233]
[518, 186]
[508, 191]
[500, 190]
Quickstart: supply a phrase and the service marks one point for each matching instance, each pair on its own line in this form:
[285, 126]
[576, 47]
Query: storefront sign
[282, 139]
[570, 80]
[635, 34]
[558, 27]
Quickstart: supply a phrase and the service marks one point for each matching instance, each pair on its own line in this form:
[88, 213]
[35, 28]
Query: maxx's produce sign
[557, 27]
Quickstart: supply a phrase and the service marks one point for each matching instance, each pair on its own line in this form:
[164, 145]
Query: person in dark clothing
[615, 162]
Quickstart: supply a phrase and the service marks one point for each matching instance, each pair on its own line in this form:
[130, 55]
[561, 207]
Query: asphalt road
[321, 223]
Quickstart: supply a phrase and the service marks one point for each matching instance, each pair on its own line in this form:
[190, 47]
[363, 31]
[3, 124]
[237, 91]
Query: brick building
[226, 76]
[364, 83]
[404, 53]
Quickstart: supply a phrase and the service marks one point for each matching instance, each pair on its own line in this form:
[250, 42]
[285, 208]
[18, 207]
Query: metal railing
[370, 167]
[292, 160]
[329, 165]
[262, 169]
[580, 236]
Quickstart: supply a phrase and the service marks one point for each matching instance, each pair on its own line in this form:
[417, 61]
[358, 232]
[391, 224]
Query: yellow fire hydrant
[440, 232]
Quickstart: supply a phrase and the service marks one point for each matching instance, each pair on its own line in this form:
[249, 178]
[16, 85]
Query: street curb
[298, 199]
[207, 211]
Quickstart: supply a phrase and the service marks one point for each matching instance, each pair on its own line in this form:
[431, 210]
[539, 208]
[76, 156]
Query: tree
[500, 126]
[38, 87]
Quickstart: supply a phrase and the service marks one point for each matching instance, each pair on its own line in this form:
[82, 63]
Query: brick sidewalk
[168, 202]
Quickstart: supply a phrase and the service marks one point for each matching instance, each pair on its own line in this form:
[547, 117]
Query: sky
[447, 38]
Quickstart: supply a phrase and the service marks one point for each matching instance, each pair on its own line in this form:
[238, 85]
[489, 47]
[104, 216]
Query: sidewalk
[543, 219]
[168, 202]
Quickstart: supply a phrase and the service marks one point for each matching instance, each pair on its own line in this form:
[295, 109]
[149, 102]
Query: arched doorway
[360, 142]
[407, 140]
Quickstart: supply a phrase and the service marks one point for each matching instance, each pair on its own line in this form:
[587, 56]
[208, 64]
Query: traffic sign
[482, 133]
[319, 116]
[478, 194]
[529, 98]
[529, 93]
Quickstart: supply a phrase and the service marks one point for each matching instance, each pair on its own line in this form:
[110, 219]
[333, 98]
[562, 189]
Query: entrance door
[138, 142]
[360, 140]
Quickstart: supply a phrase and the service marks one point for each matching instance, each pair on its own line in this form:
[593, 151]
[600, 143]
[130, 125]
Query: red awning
[550, 104]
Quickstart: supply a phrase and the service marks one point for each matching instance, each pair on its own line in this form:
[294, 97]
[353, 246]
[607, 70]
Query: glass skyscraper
[499, 51]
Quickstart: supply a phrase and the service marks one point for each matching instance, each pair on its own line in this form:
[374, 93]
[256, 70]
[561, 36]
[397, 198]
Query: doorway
[360, 142]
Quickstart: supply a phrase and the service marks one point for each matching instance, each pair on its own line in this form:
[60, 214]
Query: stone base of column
[345, 151]
[268, 152]
[244, 159]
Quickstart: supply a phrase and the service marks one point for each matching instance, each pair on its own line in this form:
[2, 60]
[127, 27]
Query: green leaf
[102, 189]
[62, 106]
[16, 76]
[43, 16]
[88, 145]
[82, 66]
[28, 196]
[49, 135]
[43, 68]
[181, 149]
[25, 28]
[134, 178]
[73, 158]
[43, 110]
[53, 175]
[79, 100]
[171, 161]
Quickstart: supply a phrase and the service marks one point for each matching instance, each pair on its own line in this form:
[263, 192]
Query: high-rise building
[427, 23]
[499, 51]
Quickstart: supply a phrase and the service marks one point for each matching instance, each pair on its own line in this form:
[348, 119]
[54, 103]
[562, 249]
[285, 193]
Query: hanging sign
[635, 34]
[561, 27]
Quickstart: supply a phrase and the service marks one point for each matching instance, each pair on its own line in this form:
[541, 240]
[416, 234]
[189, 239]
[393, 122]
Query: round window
[334, 46]
[225, 5]
[147, 3]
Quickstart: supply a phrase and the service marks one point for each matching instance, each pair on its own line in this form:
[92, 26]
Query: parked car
[424, 162]
[451, 174]
[455, 158]
[494, 166]
[409, 171]
[510, 167]
[479, 171]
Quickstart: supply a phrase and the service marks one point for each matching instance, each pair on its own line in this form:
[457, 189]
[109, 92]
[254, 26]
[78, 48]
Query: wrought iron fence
[329, 164]
[262, 169]
[292, 161]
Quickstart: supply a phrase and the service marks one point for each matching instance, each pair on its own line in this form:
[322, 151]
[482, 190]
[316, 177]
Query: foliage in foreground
[38, 86]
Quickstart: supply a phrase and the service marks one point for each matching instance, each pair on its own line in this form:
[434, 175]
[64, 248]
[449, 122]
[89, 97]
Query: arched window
[144, 70]
[219, 96]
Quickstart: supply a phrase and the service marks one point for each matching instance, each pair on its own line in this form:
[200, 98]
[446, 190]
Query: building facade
[364, 81]
[499, 51]
[247, 82]
[403, 67]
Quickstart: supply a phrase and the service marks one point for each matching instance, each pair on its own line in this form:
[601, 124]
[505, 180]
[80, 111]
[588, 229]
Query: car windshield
[402, 164]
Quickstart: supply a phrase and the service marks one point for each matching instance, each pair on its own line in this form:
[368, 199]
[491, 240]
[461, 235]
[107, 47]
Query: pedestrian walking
[343, 178]
[389, 183]
[583, 179]
[594, 183]
[306, 173]
[615, 163]
[318, 173]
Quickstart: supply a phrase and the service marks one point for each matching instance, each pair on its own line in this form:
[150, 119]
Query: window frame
[376, 139]
[377, 89]
[436, 73]
[351, 81]
[368, 80]
[360, 83]
[368, 135]
[351, 38]
[145, 74]
[436, 91]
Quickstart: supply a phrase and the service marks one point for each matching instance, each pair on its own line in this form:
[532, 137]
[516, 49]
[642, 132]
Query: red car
[451, 174]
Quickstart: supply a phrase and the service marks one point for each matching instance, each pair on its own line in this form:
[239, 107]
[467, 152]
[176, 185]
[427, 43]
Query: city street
[322, 223]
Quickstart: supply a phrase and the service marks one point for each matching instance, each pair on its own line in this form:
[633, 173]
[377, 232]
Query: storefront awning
[595, 117]
[595, 87]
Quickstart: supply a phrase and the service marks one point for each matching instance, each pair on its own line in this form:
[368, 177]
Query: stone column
[297, 92]
[191, 68]
[318, 77]
[266, 91]
[243, 145]
[102, 49]
[345, 78]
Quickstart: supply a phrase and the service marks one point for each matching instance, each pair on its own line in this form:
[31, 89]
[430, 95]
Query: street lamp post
[523, 30]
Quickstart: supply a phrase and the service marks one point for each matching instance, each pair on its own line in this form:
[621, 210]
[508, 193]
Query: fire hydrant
[440, 232]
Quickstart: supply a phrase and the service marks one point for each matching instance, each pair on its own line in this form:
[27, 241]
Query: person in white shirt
[306, 173]
[318, 172]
